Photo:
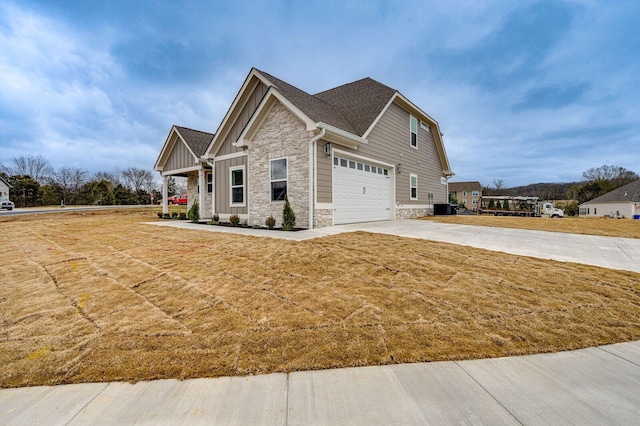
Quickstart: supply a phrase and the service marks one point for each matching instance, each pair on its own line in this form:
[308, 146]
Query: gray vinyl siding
[389, 142]
[180, 157]
[241, 121]
[223, 202]
[324, 175]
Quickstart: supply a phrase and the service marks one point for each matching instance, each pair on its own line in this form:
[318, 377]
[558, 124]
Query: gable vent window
[278, 179]
[413, 127]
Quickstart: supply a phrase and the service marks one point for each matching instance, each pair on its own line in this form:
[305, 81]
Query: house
[358, 152]
[621, 202]
[4, 188]
[467, 193]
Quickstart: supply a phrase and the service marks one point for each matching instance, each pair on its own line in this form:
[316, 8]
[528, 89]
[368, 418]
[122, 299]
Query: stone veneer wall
[322, 218]
[408, 213]
[280, 135]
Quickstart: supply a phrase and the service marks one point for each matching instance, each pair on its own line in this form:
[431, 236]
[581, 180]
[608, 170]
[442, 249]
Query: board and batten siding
[389, 142]
[223, 185]
[324, 175]
[180, 156]
[242, 119]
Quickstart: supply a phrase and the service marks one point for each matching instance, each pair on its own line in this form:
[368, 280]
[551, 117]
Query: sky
[524, 91]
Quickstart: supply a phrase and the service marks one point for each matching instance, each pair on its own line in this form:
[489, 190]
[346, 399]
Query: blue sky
[525, 92]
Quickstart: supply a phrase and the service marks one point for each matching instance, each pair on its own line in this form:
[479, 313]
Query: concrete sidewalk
[590, 386]
[607, 252]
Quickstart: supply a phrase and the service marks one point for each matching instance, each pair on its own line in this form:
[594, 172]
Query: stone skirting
[322, 218]
[409, 213]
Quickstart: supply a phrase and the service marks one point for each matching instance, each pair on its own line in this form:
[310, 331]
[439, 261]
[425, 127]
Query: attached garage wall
[323, 175]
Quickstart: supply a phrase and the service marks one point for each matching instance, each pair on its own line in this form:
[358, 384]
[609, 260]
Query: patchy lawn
[624, 228]
[98, 296]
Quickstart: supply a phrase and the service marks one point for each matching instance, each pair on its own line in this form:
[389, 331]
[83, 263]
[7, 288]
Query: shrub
[498, 205]
[288, 216]
[159, 215]
[492, 204]
[194, 213]
[270, 222]
[256, 226]
[183, 216]
[505, 205]
[216, 217]
[234, 220]
[174, 215]
[245, 223]
[166, 216]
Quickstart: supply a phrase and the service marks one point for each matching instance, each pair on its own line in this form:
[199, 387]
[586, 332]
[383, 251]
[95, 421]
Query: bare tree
[617, 175]
[498, 184]
[35, 166]
[68, 181]
[114, 178]
[138, 179]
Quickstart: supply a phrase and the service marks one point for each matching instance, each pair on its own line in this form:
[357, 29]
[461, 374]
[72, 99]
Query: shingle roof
[359, 102]
[198, 141]
[461, 186]
[627, 193]
[352, 107]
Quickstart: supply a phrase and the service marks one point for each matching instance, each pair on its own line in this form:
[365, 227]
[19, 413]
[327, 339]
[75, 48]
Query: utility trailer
[502, 205]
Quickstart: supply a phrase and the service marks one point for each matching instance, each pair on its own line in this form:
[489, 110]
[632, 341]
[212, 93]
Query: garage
[361, 191]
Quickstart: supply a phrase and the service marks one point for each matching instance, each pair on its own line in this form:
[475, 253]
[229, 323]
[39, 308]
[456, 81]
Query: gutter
[313, 148]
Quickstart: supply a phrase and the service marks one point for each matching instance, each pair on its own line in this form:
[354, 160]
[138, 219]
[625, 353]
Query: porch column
[202, 185]
[213, 189]
[165, 195]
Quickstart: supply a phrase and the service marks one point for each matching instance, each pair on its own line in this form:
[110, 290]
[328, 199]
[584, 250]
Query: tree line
[597, 181]
[34, 182]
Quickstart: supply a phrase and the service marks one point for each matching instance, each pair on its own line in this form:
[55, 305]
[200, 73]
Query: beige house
[467, 193]
[4, 188]
[621, 202]
[358, 152]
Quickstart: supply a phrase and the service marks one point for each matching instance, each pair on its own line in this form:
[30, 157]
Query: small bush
[194, 213]
[245, 223]
[183, 216]
[234, 220]
[159, 215]
[166, 216]
[288, 216]
[270, 222]
[174, 215]
[216, 217]
[256, 226]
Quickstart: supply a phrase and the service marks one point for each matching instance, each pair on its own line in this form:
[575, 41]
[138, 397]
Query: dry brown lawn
[100, 296]
[624, 228]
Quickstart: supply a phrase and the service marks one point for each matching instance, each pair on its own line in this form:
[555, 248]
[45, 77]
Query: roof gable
[360, 102]
[195, 141]
[629, 193]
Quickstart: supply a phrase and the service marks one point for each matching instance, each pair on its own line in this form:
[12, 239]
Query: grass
[99, 296]
[623, 228]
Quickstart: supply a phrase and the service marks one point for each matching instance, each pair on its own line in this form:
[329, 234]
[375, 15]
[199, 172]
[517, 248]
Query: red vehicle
[180, 200]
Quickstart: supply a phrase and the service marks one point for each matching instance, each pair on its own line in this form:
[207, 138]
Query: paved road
[592, 386]
[41, 210]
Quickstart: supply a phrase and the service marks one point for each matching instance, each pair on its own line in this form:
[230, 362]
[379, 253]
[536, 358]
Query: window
[335, 161]
[386, 172]
[367, 168]
[278, 179]
[360, 166]
[352, 164]
[343, 162]
[209, 183]
[237, 185]
[374, 169]
[413, 127]
[464, 193]
[474, 201]
[475, 193]
[413, 186]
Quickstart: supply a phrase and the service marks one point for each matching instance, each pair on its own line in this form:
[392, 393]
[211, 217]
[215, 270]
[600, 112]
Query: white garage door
[361, 191]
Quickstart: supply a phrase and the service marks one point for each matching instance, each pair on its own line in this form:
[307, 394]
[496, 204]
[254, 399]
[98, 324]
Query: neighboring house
[358, 152]
[4, 188]
[621, 202]
[467, 193]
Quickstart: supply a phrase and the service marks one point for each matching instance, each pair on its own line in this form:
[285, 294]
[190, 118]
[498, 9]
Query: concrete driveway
[607, 252]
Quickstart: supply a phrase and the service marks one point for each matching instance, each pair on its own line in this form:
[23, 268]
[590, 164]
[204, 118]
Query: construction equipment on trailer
[503, 205]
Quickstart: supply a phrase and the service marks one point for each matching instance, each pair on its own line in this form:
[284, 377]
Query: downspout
[213, 185]
[313, 145]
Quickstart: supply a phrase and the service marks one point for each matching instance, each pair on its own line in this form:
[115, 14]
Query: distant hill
[544, 191]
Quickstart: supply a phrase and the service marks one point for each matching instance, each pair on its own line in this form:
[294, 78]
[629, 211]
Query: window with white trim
[209, 183]
[278, 175]
[413, 130]
[413, 184]
[237, 187]
[475, 193]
